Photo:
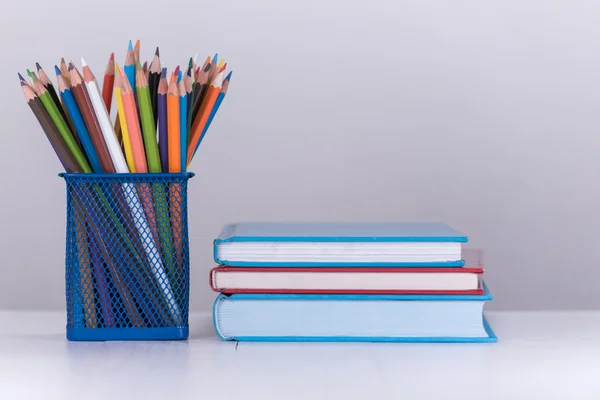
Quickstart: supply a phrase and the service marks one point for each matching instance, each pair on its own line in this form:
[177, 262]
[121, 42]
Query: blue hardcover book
[329, 244]
[352, 318]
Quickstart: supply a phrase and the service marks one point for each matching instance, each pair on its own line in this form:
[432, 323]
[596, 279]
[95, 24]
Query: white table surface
[539, 355]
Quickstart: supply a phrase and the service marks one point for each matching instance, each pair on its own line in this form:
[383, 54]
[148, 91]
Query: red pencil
[109, 81]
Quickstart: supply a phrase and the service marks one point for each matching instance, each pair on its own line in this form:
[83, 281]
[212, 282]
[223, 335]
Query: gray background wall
[481, 114]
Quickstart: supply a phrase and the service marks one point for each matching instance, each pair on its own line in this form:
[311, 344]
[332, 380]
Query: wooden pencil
[64, 154]
[109, 81]
[183, 127]
[148, 127]
[214, 110]
[188, 85]
[136, 52]
[123, 121]
[203, 114]
[202, 83]
[154, 76]
[213, 70]
[129, 67]
[65, 71]
[110, 138]
[139, 154]
[133, 125]
[43, 77]
[73, 110]
[174, 126]
[84, 103]
[163, 121]
[62, 126]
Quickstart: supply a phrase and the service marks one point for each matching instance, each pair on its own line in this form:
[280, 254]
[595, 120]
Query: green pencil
[148, 126]
[62, 126]
[153, 159]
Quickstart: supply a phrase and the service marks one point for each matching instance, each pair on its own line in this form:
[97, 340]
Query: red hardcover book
[353, 280]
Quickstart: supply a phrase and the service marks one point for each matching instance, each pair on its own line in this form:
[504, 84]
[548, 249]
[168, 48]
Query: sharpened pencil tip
[20, 76]
[57, 70]
[112, 57]
[83, 63]
[38, 66]
[228, 77]
[215, 58]
[157, 53]
[163, 73]
[130, 47]
[179, 76]
[117, 69]
[29, 73]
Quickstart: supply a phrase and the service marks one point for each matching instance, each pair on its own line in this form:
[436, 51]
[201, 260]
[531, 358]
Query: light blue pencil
[129, 68]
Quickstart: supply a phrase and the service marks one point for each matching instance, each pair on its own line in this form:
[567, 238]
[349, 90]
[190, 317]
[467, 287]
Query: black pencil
[153, 81]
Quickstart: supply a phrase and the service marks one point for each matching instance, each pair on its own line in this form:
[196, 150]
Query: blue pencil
[183, 124]
[213, 112]
[77, 118]
[129, 68]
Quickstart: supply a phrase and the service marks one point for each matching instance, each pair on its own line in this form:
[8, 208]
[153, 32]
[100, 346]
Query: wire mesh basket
[127, 256]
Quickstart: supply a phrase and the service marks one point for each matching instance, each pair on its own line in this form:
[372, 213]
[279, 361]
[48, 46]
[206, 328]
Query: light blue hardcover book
[352, 318]
[339, 244]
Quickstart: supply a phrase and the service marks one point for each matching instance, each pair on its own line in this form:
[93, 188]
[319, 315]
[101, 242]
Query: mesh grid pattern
[127, 250]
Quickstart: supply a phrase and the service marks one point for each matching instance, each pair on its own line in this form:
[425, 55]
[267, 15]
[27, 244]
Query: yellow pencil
[124, 130]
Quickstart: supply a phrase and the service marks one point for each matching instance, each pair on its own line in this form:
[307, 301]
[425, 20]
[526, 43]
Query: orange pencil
[133, 125]
[204, 113]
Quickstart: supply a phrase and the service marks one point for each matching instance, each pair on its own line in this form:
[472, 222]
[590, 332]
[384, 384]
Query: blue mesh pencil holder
[127, 256]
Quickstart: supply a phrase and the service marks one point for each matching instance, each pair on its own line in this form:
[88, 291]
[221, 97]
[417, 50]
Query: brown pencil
[200, 89]
[58, 144]
[89, 117]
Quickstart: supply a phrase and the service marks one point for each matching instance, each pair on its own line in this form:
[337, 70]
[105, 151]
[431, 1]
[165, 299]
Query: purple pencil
[163, 146]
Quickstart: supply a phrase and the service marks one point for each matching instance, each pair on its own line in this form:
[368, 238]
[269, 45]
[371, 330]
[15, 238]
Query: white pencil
[129, 189]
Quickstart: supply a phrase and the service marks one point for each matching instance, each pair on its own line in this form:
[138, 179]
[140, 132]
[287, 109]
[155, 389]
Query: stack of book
[410, 282]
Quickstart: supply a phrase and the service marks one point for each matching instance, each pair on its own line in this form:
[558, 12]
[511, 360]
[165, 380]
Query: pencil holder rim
[148, 175]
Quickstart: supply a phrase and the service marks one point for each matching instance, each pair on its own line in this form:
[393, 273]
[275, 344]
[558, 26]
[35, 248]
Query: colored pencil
[200, 90]
[133, 125]
[148, 127]
[109, 81]
[139, 155]
[62, 126]
[73, 110]
[203, 114]
[188, 85]
[84, 266]
[63, 152]
[173, 105]
[129, 190]
[183, 109]
[65, 71]
[136, 52]
[163, 121]
[154, 75]
[214, 110]
[110, 138]
[129, 67]
[213, 69]
[123, 121]
[84, 103]
[43, 77]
